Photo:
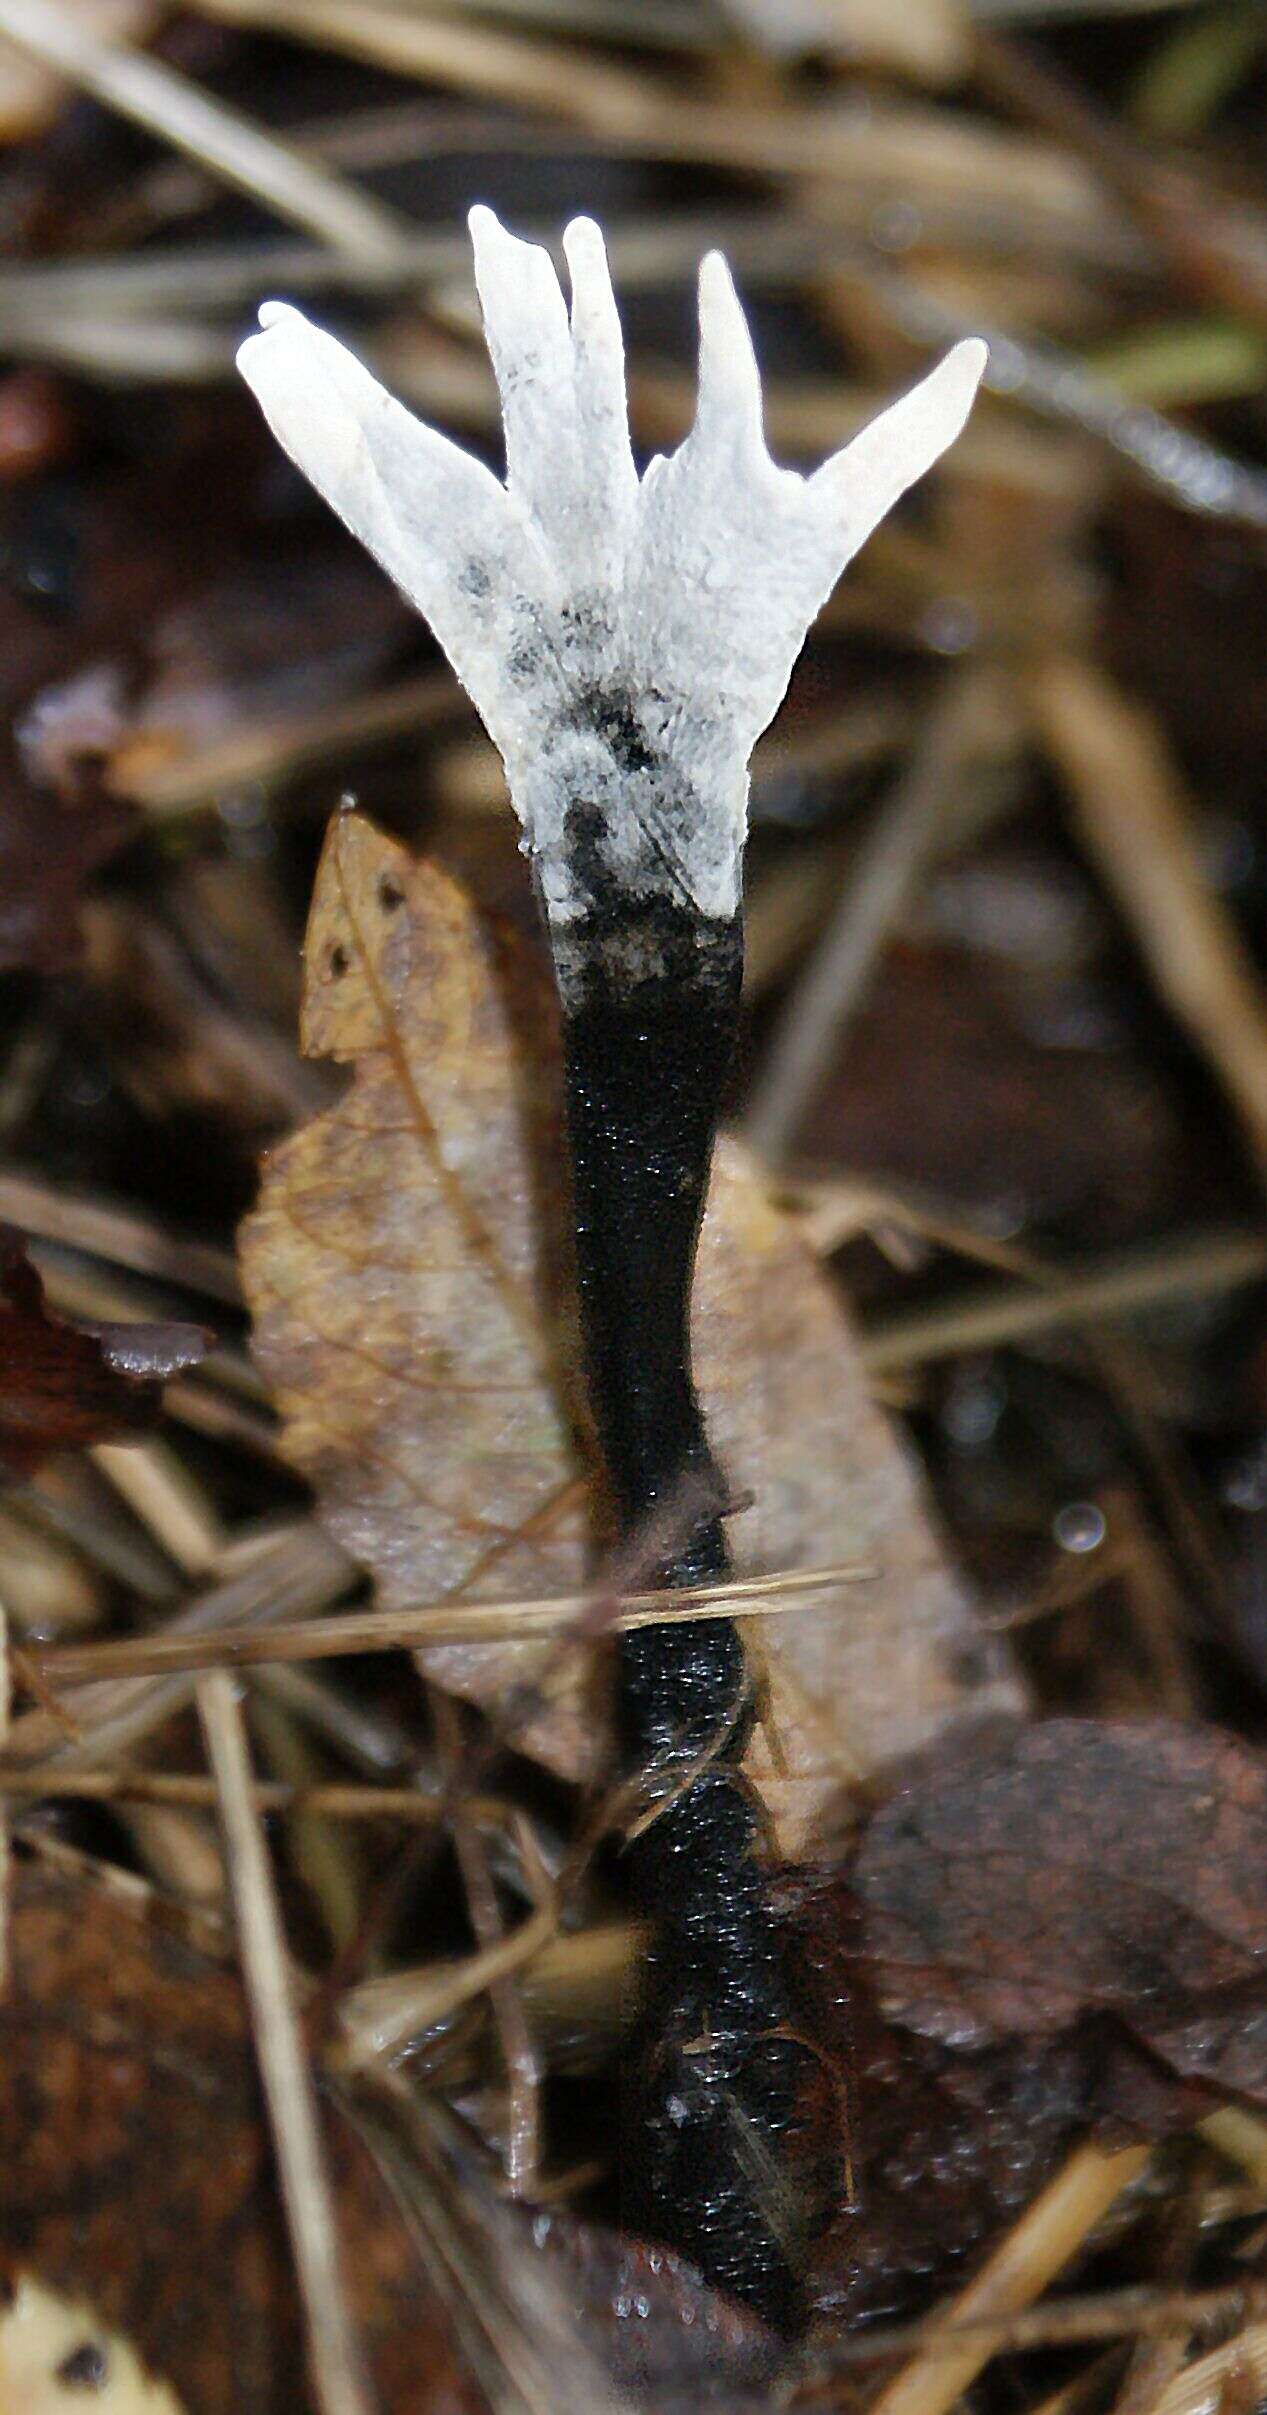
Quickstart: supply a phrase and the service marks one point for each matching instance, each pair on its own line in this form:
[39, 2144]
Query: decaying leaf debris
[407, 1278]
[62, 1386]
[1028, 1161]
[125, 2044]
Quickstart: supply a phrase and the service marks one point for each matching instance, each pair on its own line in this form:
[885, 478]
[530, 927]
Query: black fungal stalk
[650, 998]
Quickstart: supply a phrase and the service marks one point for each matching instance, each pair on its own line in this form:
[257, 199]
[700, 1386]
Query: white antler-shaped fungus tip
[625, 640]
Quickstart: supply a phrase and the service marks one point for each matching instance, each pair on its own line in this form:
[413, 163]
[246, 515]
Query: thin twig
[337, 2370]
[189, 1790]
[1126, 1283]
[179, 112]
[123, 1237]
[1135, 823]
[1033, 2252]
[883, 882]
[444, 1622]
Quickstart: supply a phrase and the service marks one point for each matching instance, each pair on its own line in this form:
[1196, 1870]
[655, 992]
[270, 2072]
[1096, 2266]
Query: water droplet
[1079, 1526]
[950, 625]
[974, 1404]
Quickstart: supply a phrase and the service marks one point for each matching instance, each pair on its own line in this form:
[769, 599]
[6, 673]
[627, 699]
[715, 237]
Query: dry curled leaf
[409, 1285]
[1079, 1868]
[61, 1385]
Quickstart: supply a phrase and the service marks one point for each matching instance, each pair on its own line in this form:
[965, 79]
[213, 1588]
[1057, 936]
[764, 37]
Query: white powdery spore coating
[624, 640]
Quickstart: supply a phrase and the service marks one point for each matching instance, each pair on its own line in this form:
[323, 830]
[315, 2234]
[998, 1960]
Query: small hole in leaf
[390, 895]
[338, 962]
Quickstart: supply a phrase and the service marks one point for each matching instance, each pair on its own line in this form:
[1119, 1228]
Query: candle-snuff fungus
[626, 638]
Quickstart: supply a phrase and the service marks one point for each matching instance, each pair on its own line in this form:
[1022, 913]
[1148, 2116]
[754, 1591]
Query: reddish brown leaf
[947, 2146]
[679, 2345]
[136, 2175]
[62, 1386]
[1076, 1868]
[1043, 1932]
[49, 847]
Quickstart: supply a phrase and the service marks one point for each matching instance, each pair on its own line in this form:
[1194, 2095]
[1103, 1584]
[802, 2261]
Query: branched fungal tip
[624, 639]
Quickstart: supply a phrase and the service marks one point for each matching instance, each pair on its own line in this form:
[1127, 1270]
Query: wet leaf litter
[978, 2166]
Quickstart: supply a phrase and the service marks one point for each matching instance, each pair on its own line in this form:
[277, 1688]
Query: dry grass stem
[911, 148]
[1135, 824]
[420, 2000]
[4, 1825]
[1141, 2312]
[118, 1234]
[159, 1490]
[182, 1789]
[273, 755]
[1124, 1284]
[501, 1956]
[456, 1621]
[337, 2371]
[948, 759]
[577, 1990]
[178, 112]
[1230, 2376]
[1241, 2136]
[513, 2314]
[1034, 2251]
[178, 1846]
[288, 1572]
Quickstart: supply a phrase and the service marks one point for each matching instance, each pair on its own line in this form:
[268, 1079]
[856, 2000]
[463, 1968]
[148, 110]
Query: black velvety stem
[651, 996]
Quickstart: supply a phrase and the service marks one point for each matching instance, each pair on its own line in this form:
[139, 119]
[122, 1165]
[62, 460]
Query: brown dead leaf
[946, 2145]
[142, 2237]
[412, 1313]
[61, 1385]
[1047, 1932]
[136, 2176]
[1079, 1868]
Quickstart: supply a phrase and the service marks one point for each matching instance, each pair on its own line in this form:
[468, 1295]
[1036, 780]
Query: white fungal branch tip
[625, 640]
